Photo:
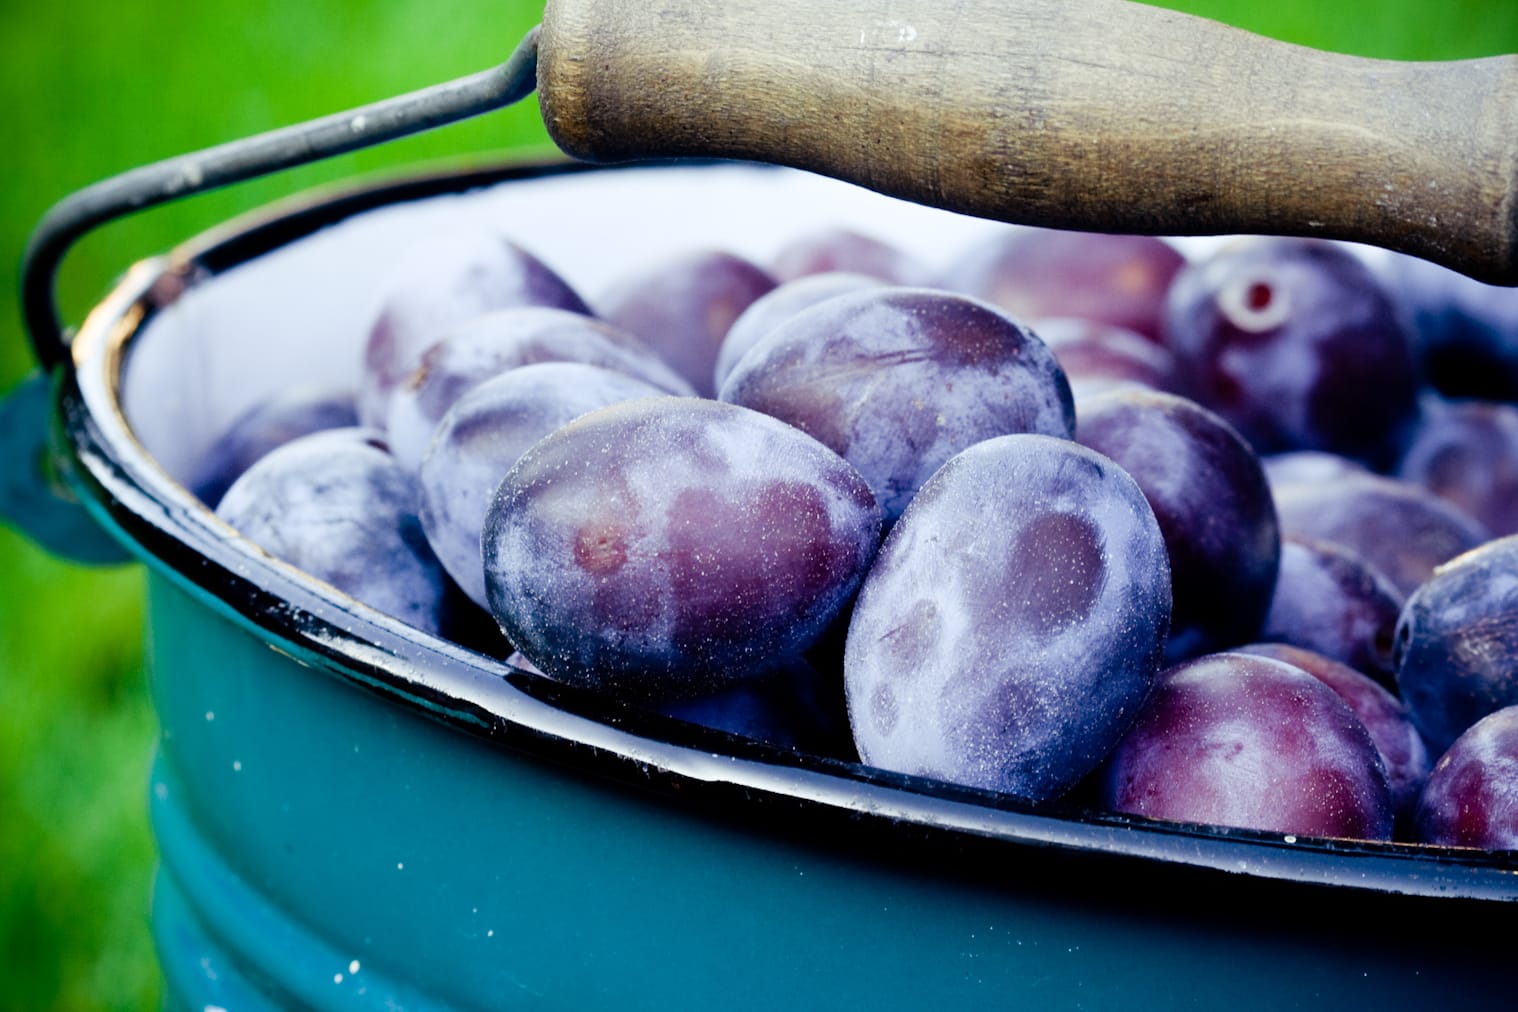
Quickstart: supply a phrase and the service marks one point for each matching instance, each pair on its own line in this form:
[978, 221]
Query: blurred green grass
[93, 88]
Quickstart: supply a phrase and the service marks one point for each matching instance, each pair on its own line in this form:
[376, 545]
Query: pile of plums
[1227, 541]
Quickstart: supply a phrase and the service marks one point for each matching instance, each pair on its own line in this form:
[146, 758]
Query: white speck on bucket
[210, 715]
[337, 978]
[490, 933]
[160, 790]
[400, 866]
[236, 765]
[353, 966]
[214, 1008]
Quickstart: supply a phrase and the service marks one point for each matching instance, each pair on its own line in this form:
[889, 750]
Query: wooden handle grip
[1101, 115]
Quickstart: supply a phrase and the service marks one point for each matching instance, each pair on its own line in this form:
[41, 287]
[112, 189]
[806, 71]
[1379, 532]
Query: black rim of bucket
[716, 774]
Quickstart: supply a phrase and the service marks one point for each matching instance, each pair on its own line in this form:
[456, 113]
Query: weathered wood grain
[1091, 114]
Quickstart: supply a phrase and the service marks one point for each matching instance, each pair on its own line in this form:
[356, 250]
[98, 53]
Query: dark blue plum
[1013, 621]
[1098, 357]
[336, 505]
[898, 380]
[793, 707]
[292, 412]
[1466, 452]
[482, 437]
[775, 307]
[1465, 333]
[1329, 600]
[1457, 643]
[491, 344]
[1213, 505]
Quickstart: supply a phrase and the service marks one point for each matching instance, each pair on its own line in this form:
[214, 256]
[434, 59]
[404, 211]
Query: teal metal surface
[35, 495]
[324, 847]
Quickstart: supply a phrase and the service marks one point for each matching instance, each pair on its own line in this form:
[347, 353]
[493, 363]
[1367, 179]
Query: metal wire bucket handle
[236, 161]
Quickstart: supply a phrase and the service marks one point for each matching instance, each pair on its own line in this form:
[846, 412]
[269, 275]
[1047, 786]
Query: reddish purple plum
[1471, 799]
[1383, 714]
[442, 283]
[1013, 622]
[1098, 357]
[1254, 743]
[683, 308]
[1298, 345]
[1309, 466]
[834, 249]
[1036, 272]
[668, 547]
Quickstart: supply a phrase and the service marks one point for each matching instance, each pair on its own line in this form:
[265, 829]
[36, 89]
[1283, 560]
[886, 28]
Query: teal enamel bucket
[355, 815]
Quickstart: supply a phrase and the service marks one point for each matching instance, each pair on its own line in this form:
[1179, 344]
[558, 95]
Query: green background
[91, 89]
